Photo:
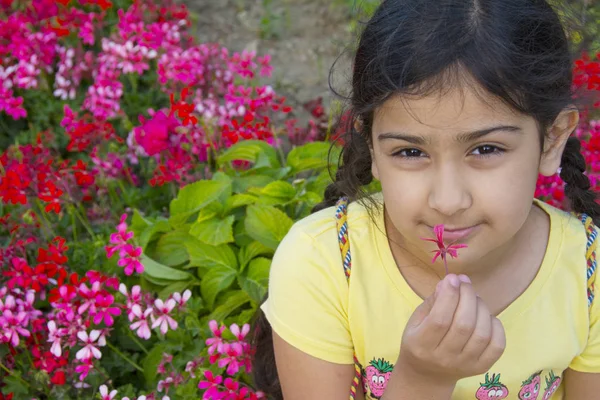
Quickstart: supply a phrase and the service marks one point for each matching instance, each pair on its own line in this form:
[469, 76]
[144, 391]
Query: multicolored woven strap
[341, 217]
[592, 244]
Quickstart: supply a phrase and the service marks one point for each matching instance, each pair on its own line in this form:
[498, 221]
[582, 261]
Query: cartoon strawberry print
[377, 376]
[531, 387]
[492, 389]
[552, 384]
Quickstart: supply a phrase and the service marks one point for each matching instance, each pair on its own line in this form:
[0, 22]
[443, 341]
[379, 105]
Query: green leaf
[250, 150]
[170, 249]
[138, 224]
[179, 287]
[151, 361]
[280, 189]
[233, 301]
[254, 249]
[194, 197]
[239, 200]
[223, 177]
[207, 256]
[242, 183]
[309, 156]
[152, 231]
[156, 270]
[214, 231]
[214, 282]
[12, 384]
[267, 225]
[256, 279]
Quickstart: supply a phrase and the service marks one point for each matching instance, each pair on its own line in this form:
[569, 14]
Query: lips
[458, 234]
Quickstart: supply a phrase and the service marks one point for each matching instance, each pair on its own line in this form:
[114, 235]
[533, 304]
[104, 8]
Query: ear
[556, 140]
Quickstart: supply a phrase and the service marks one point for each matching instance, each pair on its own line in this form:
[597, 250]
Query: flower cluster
[129, 255]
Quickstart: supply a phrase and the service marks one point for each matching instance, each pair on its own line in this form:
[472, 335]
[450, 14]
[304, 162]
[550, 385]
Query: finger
[436, 324]
[497, 344]
[464, 322]
[482, 334]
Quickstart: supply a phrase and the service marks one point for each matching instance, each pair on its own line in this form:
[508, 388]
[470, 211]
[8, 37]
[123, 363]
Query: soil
[304, 38]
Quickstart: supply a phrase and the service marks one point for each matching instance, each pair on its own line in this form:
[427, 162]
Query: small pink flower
[104, 311]
[104, 393]
[143, 330]
[232, 352]
[444, 250]
[131, 260]
[164, 320]
[211, 384]
[216, 342]
[89, 350]
[240, 335]
[84, 368]
[54, 337]
[182, 299]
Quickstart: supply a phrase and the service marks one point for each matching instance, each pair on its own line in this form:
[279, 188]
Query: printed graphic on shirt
[376, 377]
[552, 384]
[530, 389]
[492, 389]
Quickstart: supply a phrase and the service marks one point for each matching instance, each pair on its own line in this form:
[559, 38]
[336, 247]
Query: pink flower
[84, 368]
[211, 384]
[104, 393]
[131, 260]
[240, 335]
[153, 135]
[182, 299]
[143, 330]
[104, 309]
[164, 320]
[13, 325]
[444, 250]
[54, 337]
[216, 342]
[232, 352]
[89, 349]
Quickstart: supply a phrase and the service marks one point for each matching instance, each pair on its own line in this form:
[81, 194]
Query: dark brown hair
[517, 50]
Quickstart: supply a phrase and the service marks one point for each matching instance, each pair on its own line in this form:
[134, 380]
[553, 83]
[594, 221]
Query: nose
[448, 194]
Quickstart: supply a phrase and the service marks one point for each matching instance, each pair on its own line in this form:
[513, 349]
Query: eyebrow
[461, 138]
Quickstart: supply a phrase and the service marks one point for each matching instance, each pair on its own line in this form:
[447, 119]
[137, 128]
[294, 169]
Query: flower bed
[146, 181]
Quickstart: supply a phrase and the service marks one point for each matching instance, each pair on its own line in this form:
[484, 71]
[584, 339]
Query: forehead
[458, 108]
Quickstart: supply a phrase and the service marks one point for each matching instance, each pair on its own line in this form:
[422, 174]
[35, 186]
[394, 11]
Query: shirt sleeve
[589, 359]
[308, 296]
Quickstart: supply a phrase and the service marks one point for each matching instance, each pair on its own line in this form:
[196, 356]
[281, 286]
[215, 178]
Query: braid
[353, 173]
[577, 189]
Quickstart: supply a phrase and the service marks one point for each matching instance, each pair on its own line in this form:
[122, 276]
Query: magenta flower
[153, 135]
[444, 250]
[84, 368]
[104, 311]
[164, 320]
[232, 352]
[211, 384]
[131, 260]
[54, 337]
[240, 335]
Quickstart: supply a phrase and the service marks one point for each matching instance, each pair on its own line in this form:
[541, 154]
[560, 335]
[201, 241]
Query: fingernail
[464, 278]
[454, 281]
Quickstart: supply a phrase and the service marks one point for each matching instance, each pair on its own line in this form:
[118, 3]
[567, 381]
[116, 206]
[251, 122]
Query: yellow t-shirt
[312, 307]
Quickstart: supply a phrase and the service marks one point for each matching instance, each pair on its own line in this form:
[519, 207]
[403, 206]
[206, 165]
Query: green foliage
[221, 232]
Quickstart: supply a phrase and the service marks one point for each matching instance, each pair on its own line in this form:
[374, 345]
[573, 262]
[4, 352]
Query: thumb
[423, 310]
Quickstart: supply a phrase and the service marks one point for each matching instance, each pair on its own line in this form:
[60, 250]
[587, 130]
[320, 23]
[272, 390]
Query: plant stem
[136, 341]
[44, 217]
[8, 371]
[124, 357]
[83, 221]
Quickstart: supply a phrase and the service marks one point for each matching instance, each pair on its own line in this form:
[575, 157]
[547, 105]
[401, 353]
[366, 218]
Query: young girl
[457, 106]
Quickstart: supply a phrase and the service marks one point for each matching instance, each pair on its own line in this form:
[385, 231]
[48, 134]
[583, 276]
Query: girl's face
[464, 160]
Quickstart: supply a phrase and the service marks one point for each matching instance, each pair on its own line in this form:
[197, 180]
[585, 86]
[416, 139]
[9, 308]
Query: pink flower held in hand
[443, 250]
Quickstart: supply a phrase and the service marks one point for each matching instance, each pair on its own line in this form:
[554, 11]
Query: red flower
[83, 177]
[59, 378]
[444, 250]
[13, 185]
[50, 194]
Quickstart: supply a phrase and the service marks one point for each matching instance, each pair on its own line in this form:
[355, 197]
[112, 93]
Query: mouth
[453, 235]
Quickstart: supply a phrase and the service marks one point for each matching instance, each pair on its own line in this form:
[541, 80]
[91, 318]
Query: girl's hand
[452, 335]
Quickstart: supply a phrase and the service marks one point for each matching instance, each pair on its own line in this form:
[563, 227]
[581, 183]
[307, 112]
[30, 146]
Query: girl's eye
[409, 153]
[486, 150]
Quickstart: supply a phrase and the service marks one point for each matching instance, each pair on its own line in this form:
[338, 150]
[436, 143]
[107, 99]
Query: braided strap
[341, 220]
[590, 255]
